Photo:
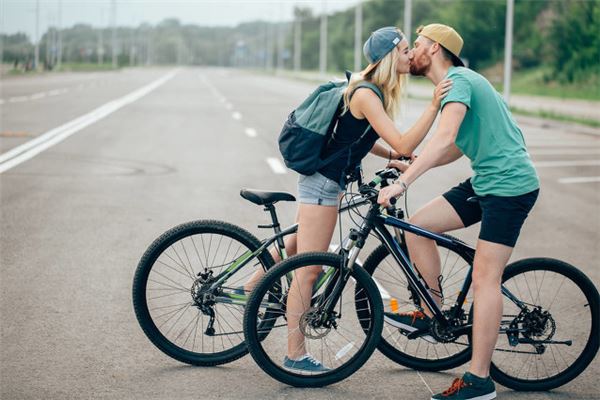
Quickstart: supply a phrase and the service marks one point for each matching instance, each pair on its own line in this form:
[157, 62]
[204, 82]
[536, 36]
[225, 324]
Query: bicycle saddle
[262, 197]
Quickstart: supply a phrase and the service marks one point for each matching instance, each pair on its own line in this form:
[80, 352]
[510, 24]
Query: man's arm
[440, 150]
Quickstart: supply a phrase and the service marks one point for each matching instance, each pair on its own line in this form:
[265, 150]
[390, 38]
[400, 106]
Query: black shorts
[501, 217]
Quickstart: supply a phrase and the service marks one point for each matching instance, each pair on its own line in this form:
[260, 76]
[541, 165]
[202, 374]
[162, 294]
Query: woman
[319, 194]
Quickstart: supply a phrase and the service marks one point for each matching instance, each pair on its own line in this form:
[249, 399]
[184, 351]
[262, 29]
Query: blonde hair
[384, 75]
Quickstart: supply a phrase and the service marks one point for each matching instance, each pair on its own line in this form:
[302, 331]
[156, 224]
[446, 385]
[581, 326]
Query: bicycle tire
[244, 240]
[586, 302]
[257, 343]
[393, 344]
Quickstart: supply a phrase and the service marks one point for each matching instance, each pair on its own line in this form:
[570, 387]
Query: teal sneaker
[305, 363]
[469, 387]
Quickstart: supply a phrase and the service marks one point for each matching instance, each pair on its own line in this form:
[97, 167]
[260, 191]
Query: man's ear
[434, 48]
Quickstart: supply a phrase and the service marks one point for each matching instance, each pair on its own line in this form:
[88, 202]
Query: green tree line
[561, 35]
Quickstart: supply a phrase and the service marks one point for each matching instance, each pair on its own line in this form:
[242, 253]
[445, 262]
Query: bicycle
[188, 293]
[546, 338]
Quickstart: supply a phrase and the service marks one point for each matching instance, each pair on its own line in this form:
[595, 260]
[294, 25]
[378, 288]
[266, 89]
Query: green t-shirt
[490, 137]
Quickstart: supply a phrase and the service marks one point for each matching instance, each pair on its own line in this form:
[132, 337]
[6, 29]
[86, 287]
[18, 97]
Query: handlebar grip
[376, 181]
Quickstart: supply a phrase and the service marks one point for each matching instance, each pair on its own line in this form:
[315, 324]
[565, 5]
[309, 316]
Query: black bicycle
[188, 288]
[549, 331]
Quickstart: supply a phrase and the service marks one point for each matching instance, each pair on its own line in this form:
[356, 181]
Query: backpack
[309, 127]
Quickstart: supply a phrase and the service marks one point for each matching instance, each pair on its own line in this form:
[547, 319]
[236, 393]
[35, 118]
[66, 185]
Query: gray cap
[381, 42]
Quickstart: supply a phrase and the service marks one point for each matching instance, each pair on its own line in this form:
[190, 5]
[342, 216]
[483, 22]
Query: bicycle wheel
[167, 286]
[337, 339]
[562, 306]
[422, 353]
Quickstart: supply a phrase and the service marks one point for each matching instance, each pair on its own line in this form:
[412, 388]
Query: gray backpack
[309, 127]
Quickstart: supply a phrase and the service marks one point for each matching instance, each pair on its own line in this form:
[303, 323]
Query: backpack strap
[348, 148]
[371, 86]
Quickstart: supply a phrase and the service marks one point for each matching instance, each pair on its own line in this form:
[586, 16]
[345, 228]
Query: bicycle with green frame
[188, 288]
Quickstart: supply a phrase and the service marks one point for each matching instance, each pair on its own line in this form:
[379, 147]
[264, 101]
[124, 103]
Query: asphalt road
[77, 216]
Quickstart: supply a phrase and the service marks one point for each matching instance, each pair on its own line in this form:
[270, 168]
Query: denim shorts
[319, 190]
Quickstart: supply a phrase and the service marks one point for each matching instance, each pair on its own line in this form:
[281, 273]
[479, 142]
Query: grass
[66, 67]
[557, 117]
[536, 82]
[85, 67]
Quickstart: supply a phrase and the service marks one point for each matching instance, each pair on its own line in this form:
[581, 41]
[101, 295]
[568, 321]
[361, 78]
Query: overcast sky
[20, 15]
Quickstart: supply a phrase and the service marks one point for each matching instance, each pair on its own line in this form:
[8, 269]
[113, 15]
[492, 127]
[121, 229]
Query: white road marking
[33, 147]
[423, 380]
[572, 163]
[250, 132]
[228, 106]
[35, 96]
[581, 179]
[563, 144]
[18, 99]
[276, 165]
[236, 115]
[560, 152]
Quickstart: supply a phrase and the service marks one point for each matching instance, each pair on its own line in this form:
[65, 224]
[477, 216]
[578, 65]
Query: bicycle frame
[245, 258]
[377, 222]
[403, 260]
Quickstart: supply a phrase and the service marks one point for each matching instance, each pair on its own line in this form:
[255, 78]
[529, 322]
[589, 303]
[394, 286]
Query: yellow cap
[447, 37]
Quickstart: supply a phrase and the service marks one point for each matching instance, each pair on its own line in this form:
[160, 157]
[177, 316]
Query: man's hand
[388, 192]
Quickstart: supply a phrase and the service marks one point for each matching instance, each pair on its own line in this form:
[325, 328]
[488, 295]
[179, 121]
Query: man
[475, 122]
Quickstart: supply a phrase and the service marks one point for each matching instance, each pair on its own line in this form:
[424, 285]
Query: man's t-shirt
[490, 137]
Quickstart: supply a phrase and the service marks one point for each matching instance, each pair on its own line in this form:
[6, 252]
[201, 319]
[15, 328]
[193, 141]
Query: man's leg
[489, 264]
[316, 226]
[437, 216]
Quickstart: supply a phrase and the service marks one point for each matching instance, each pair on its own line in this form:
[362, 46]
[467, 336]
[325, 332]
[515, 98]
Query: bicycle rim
[168, 281]
[571, 302]
[423, 353]
[342, 346]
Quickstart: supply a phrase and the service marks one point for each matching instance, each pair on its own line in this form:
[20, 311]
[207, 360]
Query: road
[122, 161]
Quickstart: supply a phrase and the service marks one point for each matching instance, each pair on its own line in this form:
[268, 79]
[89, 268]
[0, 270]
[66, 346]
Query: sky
[20, 15]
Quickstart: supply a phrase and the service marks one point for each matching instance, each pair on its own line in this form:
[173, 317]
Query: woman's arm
[440, 150]
[370, 106]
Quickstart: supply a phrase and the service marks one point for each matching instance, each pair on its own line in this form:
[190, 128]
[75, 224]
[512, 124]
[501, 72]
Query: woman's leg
[316, 226]
[290, 249]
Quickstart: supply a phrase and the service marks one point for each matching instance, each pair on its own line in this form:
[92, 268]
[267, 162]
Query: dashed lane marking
[236, 115]
[276, 166]
[572, 163]
[580, 179]
[560, 152]
[250, 132]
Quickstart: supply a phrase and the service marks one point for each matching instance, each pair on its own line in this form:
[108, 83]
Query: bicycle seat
[262, 197]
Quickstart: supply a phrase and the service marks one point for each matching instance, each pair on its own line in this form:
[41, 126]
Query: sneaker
[469, 387]
[305, 363]
[410, 322]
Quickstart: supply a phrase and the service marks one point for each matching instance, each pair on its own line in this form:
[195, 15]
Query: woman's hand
[388, 192]
[440, 91]
[399, 165]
